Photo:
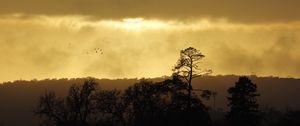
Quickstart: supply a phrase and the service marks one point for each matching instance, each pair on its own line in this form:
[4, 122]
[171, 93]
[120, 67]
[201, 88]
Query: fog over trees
[188, 97]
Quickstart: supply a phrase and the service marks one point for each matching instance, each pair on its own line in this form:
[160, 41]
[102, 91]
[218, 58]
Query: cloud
[45, 46]
[235, 10]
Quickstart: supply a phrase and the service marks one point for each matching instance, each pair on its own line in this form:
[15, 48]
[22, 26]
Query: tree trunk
[190, 86]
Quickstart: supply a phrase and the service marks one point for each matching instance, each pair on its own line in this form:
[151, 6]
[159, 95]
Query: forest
[164, 103]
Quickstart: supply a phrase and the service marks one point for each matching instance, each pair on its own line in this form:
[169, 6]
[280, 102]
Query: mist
[43, 46]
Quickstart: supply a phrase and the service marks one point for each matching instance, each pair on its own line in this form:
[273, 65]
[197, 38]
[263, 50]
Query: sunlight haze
[57, 39]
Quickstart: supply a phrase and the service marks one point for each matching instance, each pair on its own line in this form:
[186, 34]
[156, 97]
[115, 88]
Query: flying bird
[95, 51]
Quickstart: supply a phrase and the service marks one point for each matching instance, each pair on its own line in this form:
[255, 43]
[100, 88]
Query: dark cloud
[236, 10]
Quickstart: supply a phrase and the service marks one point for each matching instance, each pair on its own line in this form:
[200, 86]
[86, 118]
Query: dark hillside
[19, 97]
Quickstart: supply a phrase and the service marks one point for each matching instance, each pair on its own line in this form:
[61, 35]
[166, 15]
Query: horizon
[147, 78]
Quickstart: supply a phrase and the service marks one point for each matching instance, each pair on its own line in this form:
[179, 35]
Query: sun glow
[135, 24]
[133, 20]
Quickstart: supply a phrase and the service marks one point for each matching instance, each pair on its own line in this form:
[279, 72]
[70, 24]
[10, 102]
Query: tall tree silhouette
[177, 111]
[187, 67]
[243, 103]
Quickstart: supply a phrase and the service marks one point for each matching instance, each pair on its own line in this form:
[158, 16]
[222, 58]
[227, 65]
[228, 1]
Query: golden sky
[142, 38]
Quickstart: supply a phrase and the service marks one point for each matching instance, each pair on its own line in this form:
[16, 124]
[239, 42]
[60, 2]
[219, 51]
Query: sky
[142, 38]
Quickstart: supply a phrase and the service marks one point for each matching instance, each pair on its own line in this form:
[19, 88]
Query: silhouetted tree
[187, 67]
[50, 109]
[178, 112]
[80, 102]
[142, 104]
[243, 103]
[165, 104]
[111, 106]
[145, 103]
[75, 110]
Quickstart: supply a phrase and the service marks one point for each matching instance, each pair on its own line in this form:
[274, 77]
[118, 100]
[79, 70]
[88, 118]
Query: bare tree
[74, 110]
[50, 109]
[187, 67]
[80, 101]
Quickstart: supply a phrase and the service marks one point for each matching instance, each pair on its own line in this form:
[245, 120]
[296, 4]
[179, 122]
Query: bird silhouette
[95, 51]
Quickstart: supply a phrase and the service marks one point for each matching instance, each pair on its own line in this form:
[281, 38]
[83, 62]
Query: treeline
[143, 104]
[164, 103]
